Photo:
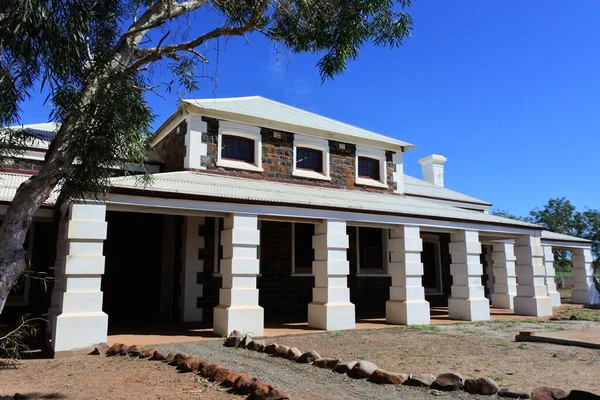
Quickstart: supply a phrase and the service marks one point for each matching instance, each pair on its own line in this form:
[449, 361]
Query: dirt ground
[99, 377]
[474, 350]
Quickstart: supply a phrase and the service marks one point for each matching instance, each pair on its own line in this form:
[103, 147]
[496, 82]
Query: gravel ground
[302, 381]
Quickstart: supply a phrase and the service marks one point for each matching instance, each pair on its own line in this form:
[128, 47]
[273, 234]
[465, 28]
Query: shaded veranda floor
[162, 332]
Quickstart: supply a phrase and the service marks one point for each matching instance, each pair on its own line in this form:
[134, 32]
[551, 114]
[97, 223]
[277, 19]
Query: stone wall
[171, 148]
[278, 159]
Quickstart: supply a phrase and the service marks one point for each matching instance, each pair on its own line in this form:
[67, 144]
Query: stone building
[262, 211]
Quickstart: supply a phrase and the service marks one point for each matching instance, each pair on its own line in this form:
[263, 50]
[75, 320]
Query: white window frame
[246, 132]
[309, 142]
[294, 273]
[376, 154]
[439, 289]
[374, 272]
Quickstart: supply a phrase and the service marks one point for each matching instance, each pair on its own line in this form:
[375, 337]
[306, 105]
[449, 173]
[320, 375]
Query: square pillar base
[79, 330]
[554, 299]
[247, 320]
[331, 316]
[535, 306]
[582, 296]
[469, 309]
[407, 312]
[503, 300]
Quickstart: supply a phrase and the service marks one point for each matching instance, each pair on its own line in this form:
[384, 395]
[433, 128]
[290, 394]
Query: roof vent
[433, 169]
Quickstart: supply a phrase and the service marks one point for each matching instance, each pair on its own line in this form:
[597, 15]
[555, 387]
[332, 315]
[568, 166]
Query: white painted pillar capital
[532, 295]
[468, 301]
[331, 308]
[584, 291]
[407, 304]
[550, 276]
[505, 275]
[238, 298]
[78, 320]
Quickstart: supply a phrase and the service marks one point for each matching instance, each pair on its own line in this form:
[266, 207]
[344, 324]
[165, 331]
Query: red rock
[382, 376]
[512, 393]
[233, 341]
[548, 393]
[221, 374]
[362, 369]
[271, 348]
[328, 363]
[293, 354]
[344, 367]
[243, 385]
[483, 386]
[420, 380]
[277, 394]
[124, 350]
[135, 351]
[114, 349]
[169, 358]
[158, 356]
[448, 382]
[581, 395]
[307, 358]
[208, 371]
[148, 353]
[256, 345]
[191, 365]
[230, 379]
[235, 333]
[261, 392]
[179, 359]
[281, 350]
[245, 342]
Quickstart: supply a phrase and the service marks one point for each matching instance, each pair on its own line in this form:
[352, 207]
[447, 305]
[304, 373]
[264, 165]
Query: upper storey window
[311, 158]
[368, 168]
[239, 146]
[371, 167]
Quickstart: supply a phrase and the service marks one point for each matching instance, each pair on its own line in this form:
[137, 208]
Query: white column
[584, 289]
[238, 298]
[407, 305]
[467, 301]
[550, 274]
[532, 296]
[79, 320]
[505, 276]
[331, 308]
[193, 264]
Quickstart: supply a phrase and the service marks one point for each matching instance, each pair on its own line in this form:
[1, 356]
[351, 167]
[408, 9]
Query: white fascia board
[565, 245]
[40, 214]
[158, 205]
[285, 127]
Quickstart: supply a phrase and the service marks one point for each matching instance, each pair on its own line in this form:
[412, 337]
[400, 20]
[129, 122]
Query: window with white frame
[311, 158]
[240, 146]
[370, 250]
[370, 164]
[303, 253]
[432, 265]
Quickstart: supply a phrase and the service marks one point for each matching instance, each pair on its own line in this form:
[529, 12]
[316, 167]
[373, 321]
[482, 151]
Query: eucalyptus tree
[97, 60]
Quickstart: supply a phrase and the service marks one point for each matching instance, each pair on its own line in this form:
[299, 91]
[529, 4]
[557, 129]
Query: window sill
[239, 165]
[371, 182]
[301, 173]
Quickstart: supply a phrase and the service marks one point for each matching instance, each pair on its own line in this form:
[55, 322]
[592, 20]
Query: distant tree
[98, 60]
[561, 216]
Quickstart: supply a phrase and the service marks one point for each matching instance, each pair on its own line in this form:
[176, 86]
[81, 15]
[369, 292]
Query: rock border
[240, 384]
[451, 381]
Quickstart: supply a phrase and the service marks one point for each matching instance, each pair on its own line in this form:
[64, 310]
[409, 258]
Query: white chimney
[433, 169]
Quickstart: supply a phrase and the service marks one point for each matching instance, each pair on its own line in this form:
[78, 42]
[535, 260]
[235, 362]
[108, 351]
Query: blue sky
[508, 91]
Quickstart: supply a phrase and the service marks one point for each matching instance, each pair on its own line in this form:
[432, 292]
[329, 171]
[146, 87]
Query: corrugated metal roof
[270, 110]
[548, 235]
[239, 188]
[10, 182]
[419, 187]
